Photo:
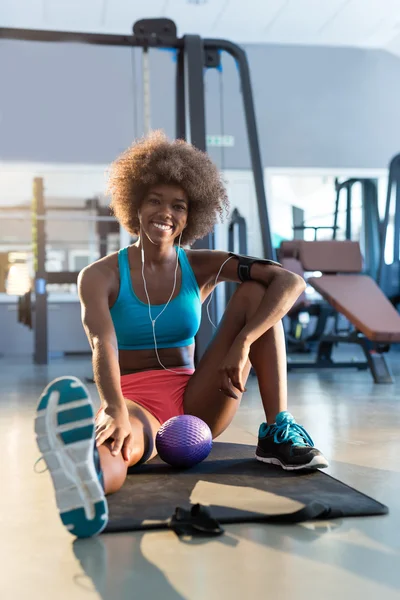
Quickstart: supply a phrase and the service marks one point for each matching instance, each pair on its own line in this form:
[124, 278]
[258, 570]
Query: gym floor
[354, 421]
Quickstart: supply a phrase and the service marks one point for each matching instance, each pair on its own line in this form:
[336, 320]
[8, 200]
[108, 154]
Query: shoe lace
[289, 431]
[35, 466]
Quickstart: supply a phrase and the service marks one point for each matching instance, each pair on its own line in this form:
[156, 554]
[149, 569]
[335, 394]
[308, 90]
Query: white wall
[316, 106]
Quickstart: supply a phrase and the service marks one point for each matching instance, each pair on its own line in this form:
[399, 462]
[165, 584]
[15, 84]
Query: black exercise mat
[236, 488]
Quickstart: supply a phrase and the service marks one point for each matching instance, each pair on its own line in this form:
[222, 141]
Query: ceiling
[359, 23]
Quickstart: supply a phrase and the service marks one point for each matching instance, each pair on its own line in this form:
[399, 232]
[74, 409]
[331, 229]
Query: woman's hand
[114, 425]
[231, 369]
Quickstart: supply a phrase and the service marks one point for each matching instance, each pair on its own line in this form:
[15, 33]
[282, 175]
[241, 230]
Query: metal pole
[298, 220]
[194, 88]
[250, 116]
[41, 354]
[371, 226]
[97, 39]
[196, 135]
[348, 211]
[146, 91]
[396, 221]
[93, 247]
[337, 202]
[180, 108]
[385, 223]
[238, 223]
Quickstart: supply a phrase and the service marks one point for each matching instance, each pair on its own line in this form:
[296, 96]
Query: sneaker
[65, 434]
[287, 444]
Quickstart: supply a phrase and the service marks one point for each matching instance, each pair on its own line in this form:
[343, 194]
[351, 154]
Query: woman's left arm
[283, 289]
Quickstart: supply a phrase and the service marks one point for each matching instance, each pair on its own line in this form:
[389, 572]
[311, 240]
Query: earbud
[153, 321]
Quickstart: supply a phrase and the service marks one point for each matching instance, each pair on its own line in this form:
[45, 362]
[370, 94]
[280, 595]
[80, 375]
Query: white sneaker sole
[318, 462]
[65, 434]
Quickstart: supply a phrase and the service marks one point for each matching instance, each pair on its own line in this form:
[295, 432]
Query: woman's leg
[268, 357]
[65, 427]
[144, 429]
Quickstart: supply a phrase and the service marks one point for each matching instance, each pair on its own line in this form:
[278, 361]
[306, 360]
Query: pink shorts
[160, 392]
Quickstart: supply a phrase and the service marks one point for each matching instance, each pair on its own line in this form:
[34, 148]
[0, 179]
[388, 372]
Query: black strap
[245, 263]
[199, 521]
[196, 521]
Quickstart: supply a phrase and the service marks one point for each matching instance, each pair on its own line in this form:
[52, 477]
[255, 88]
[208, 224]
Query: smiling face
[164, 212]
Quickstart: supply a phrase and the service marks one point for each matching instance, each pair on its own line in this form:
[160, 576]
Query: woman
[141, 310]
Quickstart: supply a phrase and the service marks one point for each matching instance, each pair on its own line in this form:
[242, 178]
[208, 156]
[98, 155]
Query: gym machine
[33, 305]
[389, 272]
[193, 56]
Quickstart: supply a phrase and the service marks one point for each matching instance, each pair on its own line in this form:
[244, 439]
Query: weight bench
[288, 256]
[375, 321]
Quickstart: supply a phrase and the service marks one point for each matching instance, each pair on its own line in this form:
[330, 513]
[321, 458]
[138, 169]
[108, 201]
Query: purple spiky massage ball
[184, 441]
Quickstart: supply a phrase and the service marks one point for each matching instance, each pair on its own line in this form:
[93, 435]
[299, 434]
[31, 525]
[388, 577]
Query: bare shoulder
[205, 257]
[206, 263]
[102, 274]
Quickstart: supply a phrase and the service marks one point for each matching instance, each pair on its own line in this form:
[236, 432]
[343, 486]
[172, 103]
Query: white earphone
[153, 321]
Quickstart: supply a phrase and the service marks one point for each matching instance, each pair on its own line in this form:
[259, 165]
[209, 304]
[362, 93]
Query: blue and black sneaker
[65, 434]
[287, 444]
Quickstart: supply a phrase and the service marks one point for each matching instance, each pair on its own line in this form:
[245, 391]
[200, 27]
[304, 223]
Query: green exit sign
[227, 141]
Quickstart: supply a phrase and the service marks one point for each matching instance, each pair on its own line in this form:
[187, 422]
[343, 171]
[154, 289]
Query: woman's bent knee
[249, 294]
[136, 456]
[114, 469]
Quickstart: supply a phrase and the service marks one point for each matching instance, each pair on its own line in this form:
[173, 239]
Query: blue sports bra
[176, 327]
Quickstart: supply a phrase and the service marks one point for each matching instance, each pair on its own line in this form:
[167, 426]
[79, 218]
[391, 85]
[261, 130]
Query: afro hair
[155, 160]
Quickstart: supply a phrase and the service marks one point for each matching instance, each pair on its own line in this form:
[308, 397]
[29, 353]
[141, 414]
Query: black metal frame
[237, 223]
[371, 220]
[191, 80]
[389, 274]
[374, 354]
[40, 319]
[193, 55]
[33, 312]
[315, 228]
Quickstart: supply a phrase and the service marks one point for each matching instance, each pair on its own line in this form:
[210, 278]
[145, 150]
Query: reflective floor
[354, 421]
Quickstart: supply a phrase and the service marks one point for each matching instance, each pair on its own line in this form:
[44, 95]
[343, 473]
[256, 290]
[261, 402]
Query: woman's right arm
[94, 287]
